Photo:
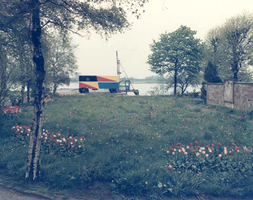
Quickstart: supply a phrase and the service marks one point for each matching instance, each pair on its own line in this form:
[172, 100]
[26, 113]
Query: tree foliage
[60, 61]
[229, 47]
[211, 74]
[177, 54]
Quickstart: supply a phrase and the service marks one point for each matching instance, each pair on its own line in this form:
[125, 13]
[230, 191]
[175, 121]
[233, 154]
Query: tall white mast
[118, 64]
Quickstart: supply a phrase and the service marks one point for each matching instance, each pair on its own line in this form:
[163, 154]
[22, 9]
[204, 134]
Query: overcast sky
[97, 56]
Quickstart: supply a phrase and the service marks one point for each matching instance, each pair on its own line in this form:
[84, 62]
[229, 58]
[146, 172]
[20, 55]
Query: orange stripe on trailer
[108, 78]
[91, 85]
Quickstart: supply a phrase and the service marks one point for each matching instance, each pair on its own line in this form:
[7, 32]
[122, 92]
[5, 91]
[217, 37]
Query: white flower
[203, 152]
[160, 184]
[207, 155]
[179, 150]
[220, 155]
[197, 154]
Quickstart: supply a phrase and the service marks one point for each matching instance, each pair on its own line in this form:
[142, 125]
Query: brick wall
[243, 96]
[215, 94]
[231, 94]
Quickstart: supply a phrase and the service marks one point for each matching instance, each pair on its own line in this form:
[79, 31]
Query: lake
[144, 88]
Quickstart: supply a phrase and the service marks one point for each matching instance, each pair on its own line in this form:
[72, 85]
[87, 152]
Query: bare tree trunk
[22, 93]
[175, 82]
[55, 88]
[33, 167]
[28, 92]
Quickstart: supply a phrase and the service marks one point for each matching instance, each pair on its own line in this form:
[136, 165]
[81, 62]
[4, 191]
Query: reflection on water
[144, 88]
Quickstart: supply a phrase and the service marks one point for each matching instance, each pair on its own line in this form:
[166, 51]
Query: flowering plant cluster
[197, 157]
[57, 143]
[12, 110]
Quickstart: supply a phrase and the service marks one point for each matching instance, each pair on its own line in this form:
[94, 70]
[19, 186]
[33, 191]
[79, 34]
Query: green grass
[127, 145]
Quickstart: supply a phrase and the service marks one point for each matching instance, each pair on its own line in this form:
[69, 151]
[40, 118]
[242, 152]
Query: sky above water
[96, 56]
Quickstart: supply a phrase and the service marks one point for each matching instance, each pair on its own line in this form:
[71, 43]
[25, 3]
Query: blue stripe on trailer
[108, 85]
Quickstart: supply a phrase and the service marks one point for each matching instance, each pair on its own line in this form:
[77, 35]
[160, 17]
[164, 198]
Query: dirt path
[12, 194]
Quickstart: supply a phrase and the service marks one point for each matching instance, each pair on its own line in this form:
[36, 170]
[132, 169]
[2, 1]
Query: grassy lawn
[141, 146]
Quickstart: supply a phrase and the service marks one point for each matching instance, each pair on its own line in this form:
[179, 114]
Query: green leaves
[177, 54]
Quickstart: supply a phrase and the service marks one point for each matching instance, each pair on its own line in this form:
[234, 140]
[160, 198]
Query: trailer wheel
[83, 90]
[136, 92]
[113, 90]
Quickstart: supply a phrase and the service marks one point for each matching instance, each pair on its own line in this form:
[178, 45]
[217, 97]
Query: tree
[236, 44]
[176, 53]
[184, 80]
[60, 62]
[211, 74]
[104, 17]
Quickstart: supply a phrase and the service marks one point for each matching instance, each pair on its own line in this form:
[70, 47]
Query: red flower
[182, 126]
[236, 148]
[212, 145]
[171, 149]
[198, 147]
[190, 144]
[218, 144]
[196, 143]
[193, 151]
[233, 144]
[179, 143]
[170, 167]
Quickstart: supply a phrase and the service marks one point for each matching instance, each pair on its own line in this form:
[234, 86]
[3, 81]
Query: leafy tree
[104, 17]
[176, 53]
[211, 74]
[60, 60]
[229, 47]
